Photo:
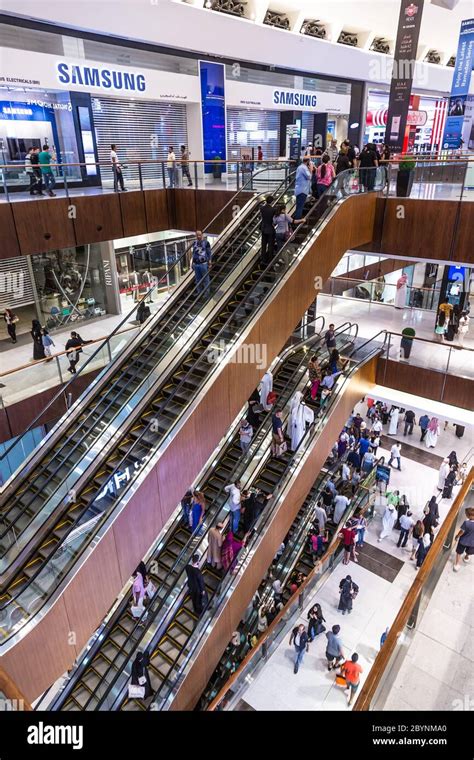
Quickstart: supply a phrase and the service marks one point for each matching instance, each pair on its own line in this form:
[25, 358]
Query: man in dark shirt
[423, 422]
[368, 162]
[356, 423]
[267, 213]
[354, 459]
[74, 348]
[196, 585]
[34, 158]
[201, 262]
[351, 154]
[409, 421]
[330, 338]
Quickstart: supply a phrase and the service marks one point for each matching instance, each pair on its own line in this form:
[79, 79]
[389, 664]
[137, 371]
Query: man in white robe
[443, 474]
[300, 416]
[388, 521]
[266, 388]
[392, 430]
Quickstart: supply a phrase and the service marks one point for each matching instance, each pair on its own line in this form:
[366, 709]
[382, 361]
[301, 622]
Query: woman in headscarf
[314, 374]
[401, 292]
[453, 459]
[449, 483]
[140, 675]
[433, 507]
[423, 546]
[196, 515]
[342, 443]
[316, 620]
[230, 549]
[432, 433]
[300, 416]
[37, 335]
[347, 592]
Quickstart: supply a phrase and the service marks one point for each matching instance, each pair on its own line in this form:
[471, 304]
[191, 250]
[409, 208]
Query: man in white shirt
[377, 427]
[346, 473]
[234, 491]
[340, 505]
[171, 165]
[395, 452]
[321, 516]
[117, 169]
[406, 525]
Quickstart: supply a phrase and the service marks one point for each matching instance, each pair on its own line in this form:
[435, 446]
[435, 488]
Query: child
[47, 343]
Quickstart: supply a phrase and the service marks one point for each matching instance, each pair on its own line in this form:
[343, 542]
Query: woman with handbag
[316, 620]
[314, 374]
[11, 321]
[140, 684]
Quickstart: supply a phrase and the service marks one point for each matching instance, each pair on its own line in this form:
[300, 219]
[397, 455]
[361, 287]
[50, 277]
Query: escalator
[94, 686]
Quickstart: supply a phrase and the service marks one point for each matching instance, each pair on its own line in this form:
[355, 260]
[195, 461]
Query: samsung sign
[105, 79]
[297, 99]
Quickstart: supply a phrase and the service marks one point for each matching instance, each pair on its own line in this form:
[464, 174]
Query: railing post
[140, 175]
[59, 370]
[413, 619]
[195, 175]
[108, 350]
[386, 356]
[5, 185]
[446, 373]
[163, 174]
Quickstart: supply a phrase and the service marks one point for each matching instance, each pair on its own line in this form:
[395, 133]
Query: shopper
[302, 188]
[423, 548]
[465, 539]
[341, 503]
[201, 262]
[449, 483]
[138, 586]
[324, 176]
[301, 416]
[395, 454]
[320, 515]
[334, 651]
[11, 321]
[34, 160]
[443, 473]
[388, 521]
[278, 439]
[140, 684]
[316, 621]
[314, 375]
[259, 153]
[423, 422]
[245, 435]
[196, 585]
[342, 162]
[186, 505]
[171, 165]
[36, 333]
[117, 170]
[47, 343]
[409, 422]
[351, 670]
[267, 212]
[282, 222]
[368, 162]
[416, 535]
[348, 591]
[463, 327]
[406, 527]
[231, 547]
[74, 349]
[45, 158]
[30, 172]
[361, 526]
[143, 312]
[233, 502]
[299, 638]
[348, 535]
[429, 524]
[185, 165]
[330, 339]
[197, 512]
[432, 433]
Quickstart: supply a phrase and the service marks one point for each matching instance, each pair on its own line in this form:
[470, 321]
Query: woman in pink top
[324, 175]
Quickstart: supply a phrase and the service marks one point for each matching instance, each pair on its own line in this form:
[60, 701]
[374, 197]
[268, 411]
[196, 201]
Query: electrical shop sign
[245, 95]
[41, 70]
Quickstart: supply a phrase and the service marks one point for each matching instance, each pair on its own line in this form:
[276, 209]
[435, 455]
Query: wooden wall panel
[43, 225]
[132, 208]
[410, 379]
[98, 218]
[8, 234]
[211, 203]
[156, 208]
[209, 421]
[182, 206]
[256, 566]
[459, 391]
[376, 241]
[463, 245]
[426, 231]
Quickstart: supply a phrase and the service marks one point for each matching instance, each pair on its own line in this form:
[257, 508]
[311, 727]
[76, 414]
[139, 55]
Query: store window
[139, 266]
[248, 128]
[70, 285]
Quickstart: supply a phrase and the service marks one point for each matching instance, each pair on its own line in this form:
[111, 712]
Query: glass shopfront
[142, 263]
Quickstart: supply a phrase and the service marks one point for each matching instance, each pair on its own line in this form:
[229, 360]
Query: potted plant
[406, 173]
[406, 343]
[217, 169]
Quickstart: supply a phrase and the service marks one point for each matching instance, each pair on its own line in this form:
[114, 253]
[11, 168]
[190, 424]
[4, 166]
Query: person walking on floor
[196, 585]
[351, 671]
[348, 591]
[10, 320]
[36, 333]
[201, 262]
[409, 421]
[171, 165]
[117, 170]
[235, 497]
[423, 548]
[406, 527]
[47, 343]
[416, 535]
[388, 521]
[465, 539]
[45, 158]
[185, 165]
[463, 327]
[395, 454]
[302, 188]
[334, 651]
[423, 422]
[267, 212]
[34, 160]
[348, 535]
[299, 638]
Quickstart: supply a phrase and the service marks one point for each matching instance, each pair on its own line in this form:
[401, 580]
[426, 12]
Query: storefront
[427, 116]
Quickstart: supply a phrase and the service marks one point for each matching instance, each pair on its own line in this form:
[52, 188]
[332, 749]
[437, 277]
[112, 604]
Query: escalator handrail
[127, 317]
[90, 411]
[257, 529]
[330, 551]
[240, 464]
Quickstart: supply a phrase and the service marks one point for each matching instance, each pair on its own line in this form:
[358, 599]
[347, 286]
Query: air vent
[348, 38]
[452, 61]
[234, 7]
[277, 19]
[313, 29]
[380, 45]
[433, 56]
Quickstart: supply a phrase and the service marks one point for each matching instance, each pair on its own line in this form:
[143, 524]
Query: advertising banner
[460, 88]
[404, 60]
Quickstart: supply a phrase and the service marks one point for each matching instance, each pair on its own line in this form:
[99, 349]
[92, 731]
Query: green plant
[407, 164]
[408, 332]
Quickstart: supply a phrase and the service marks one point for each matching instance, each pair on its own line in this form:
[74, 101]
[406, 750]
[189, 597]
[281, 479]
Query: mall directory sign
[460, 87]
[404, 60]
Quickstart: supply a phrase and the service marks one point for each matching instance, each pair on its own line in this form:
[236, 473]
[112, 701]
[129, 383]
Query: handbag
[271, 398]
[136, 692]
[150, 589]
[341, 681]
[137, 610]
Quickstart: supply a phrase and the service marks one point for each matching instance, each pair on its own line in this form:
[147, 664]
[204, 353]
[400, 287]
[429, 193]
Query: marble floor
[275, 686]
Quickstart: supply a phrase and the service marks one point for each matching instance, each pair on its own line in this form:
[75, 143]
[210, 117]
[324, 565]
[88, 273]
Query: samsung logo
[107, 79]
[301, 99]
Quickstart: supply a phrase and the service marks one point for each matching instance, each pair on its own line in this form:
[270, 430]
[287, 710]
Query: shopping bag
[354, 184]
[137, 610]
[341, 681]
[150, 590]
[136, 692]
